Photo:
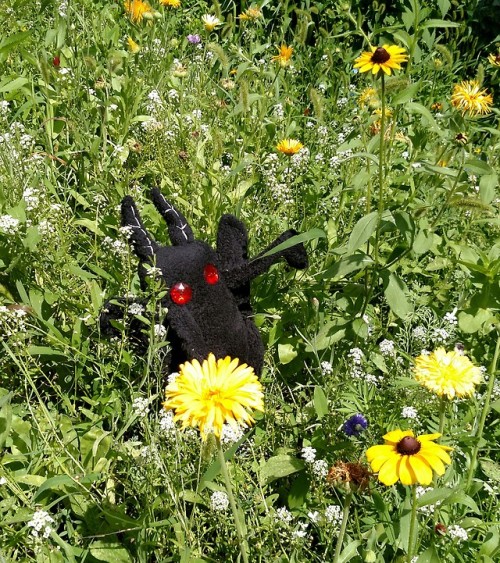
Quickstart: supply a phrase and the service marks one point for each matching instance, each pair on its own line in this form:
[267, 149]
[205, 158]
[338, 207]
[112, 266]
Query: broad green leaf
[320, 402]
[14, 85]
[362, 231]
[487, 188]
[395, 292]
[5, 419]
[406, 95]
[414, 107]
[433, 496]
[44, 351]
[430, 555]
[490, 469]
[286, 353]
[346, 265]
[110, 550]
[350, 551]
[312, 234]
[280, 466]
[192, 497]
[478, 167]
[90, 225]
[438, 23]
[423, 241]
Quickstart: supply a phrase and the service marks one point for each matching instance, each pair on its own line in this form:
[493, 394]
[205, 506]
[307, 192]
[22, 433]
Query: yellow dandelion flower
[251, 14]
[284, 55]
[447, 373]
[408, 458]
[215, 392]
[494, 59]
[210, 22]
[138, 10]
[384, 58]
[171, 3]
[289, 146]
[468, 98]
[369, 98]
[378, 112]
[133, 47]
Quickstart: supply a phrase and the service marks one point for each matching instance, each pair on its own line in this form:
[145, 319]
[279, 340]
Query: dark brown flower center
[380, 56]
[408, 446]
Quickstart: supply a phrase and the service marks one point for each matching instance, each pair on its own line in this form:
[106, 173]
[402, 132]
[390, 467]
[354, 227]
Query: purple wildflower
[194, 39]
[355, 425]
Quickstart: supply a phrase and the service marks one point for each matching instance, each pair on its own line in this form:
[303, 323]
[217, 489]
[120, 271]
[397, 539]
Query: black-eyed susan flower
[289, 146]
[207, 395]
[386, 59]
[447, 373]
[138, 10]
[468, 97]
[494, 59]
[171, 3]
[284, 55]
[210, 22]
[408, 458]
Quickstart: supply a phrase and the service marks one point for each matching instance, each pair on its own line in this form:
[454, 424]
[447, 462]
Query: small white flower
[3, 480]
[166, 423]
[172, 377]
[409, 412]
[451, 317]
[309, 454]
[140, 406]
[320, 468]
[333, 514]
[231, 434]
[283, 515]
[419, 333]
[458, 533]
[40, 522]
[135, 309]
[9, 225]
[326, 368]
[219, 501]
[160, 331]
[356, 355]
[387, 347]
[313, 516]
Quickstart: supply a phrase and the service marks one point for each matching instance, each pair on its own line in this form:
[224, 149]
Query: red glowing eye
[210, 274]
[181, 293]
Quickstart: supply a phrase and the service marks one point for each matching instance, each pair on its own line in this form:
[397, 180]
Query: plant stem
[484, 413]
[413, 524]
[232, 502]
[442, 414]
[343, 526]
[381, 172]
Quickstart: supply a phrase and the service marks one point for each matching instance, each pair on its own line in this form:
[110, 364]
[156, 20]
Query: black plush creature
[208, 291]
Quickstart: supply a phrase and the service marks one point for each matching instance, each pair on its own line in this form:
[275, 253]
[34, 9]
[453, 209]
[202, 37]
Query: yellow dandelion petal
[138, 10]
[133, 47]
[386, 59]
[410, 459]
[447, 373]
[213, 393]
[171, 3]
[494, 59]
[467, 97]
[284, 55]
[289, 146]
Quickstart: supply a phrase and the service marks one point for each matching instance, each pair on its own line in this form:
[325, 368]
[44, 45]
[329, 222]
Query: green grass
[404, 256]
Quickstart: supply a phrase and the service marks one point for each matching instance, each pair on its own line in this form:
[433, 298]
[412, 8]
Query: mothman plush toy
[208, 291]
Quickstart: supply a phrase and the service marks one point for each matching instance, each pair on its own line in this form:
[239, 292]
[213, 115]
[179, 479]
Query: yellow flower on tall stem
[386, 59]
[171, 3]
[133, 47]
[215, 392]
[284, 55]
[138, 10]
[289, 146]
[468, 97]
[449, 374]
[251, 14]
[408, 458]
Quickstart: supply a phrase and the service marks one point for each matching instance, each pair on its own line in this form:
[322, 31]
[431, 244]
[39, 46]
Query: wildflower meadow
[362, 135]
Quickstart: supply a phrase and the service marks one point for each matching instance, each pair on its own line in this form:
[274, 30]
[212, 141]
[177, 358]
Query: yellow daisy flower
[369, 98]
[251, 14]
[447, 373]
[210, 22]
[171, 3]
[284, 55]
[138, 10]
[210, 394]
[289, 146]
[468, 98]
[133, 47]
[494, 59]
[408, 458]
[384, 58]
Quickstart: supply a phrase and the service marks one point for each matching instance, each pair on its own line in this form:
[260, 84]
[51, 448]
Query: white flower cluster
[451, 317]
[309, 454]
[219, 501]
[278, 111]
[41, 523]
[326, 368]
[301, 531]
[166, 423]
[458, 533]
[117, 247]
[419, 333]
[12, 321]
[231, 434]
[32, 198]
[283, 515]
[280, 190]
[356, 371]
[9, 225]
[320, 468]
[160, 331]
[387, 348]
[4, 107]
[140, 406]
[135, 309]
[409, 412]
[154, 101]
[333, 514]
[301, 158]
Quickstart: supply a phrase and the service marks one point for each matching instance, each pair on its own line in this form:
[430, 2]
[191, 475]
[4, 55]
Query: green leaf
[110, 550]
[433, 496]
[346, 265]
[350, 551]
[461, 498]
[362, 231]
[312, 234]
[286, 353]
[5, 418]
[438, 23]
[490, 469]
[414, 107]
[280, 466]
[478, 167]
[14, 85]
[44, 351]
[423, 241]
[487, 188]
[430, 555]
[90, 225]
[395, 292]
[320, 402]
[406, 95]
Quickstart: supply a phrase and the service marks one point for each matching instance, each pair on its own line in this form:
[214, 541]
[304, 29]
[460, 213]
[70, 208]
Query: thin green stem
[413, 524]
[343, 526]
[442, 414]
[444, 207]
[484, 413]
[232, 502]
